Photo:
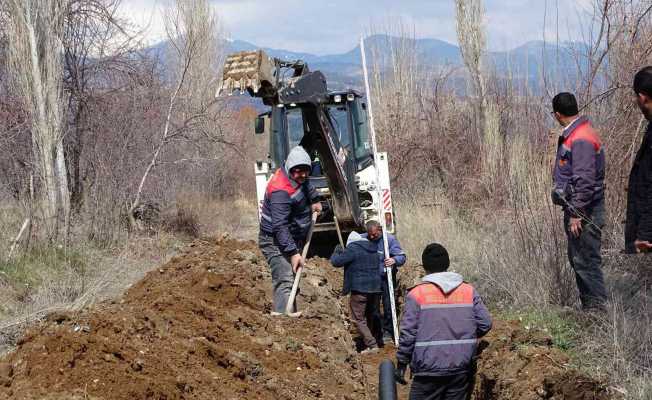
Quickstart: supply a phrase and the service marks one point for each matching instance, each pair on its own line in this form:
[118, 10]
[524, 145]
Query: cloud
[334, 26]
[146, 15]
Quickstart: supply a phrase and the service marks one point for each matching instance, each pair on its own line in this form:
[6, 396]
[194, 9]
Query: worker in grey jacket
[285, 221]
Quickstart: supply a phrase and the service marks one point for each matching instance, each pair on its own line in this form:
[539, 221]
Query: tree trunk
[35, 50]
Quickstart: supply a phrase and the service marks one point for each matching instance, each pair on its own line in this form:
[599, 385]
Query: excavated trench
[199, 328]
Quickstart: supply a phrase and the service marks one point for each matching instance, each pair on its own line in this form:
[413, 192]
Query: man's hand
[399, 373]
[317, 208]
[389, 262]
[575, 226]
[643, 246]
[296, 262]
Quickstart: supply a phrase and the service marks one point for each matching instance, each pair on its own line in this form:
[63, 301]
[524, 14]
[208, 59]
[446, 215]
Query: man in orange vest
[442, 320]
[579, 189]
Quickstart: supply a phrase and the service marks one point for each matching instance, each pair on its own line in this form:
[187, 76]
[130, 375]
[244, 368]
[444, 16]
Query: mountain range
[529, 60]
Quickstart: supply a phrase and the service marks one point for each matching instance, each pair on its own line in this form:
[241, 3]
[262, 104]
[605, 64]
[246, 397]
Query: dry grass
[44, 278]
[238, 216]
[621, 344]
[423, 219]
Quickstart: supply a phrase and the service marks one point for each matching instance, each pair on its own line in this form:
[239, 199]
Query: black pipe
[386, 382]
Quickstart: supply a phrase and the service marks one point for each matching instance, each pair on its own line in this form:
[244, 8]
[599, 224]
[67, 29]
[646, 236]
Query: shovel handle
[295, 286]
[339, 232]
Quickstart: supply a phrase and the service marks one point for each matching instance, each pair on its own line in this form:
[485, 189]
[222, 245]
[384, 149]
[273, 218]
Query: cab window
[361, 128]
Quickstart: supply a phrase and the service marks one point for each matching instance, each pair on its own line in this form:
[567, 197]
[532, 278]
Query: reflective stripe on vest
[429, 306]
[445, 342]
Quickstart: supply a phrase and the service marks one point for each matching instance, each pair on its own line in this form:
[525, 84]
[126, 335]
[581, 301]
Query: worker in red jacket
[285, 221]
[579, 189]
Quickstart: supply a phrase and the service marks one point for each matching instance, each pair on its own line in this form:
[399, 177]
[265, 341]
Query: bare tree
[192, 31]
[472, 41]
[35, 48]
[97, 45]
[396, 81]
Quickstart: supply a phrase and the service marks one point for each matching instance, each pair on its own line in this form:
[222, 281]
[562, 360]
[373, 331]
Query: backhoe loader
[332, 126]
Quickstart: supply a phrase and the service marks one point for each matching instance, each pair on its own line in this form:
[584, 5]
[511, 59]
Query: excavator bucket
[247, 70]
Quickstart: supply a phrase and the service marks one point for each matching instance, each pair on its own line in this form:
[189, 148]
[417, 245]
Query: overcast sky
[334, 26]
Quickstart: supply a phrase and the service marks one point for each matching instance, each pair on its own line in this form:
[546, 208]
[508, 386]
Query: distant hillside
[344, 70]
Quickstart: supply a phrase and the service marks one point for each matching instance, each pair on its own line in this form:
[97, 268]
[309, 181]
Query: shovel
[297, 277]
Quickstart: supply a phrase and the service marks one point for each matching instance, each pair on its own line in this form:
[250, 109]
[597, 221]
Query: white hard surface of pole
[381, 216]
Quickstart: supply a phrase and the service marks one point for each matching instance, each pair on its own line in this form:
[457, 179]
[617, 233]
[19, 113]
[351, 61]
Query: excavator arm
[338, 167]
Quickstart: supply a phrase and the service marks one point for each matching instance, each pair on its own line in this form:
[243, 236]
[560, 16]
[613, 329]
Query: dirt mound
[199, 328]
[517, 363]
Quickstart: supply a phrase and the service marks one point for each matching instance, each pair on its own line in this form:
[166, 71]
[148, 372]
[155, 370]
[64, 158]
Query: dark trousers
[388, 327]
[585, 259]
[364, 308]
[454, 387]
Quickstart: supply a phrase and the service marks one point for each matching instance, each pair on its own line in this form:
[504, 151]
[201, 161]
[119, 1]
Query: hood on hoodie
[356, 238]
[298, 156]
[447, 281]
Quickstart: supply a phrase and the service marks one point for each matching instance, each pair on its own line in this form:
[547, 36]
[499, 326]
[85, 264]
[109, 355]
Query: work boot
[370, 350]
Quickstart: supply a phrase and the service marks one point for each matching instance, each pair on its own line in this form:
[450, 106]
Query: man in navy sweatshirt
[395, 259]
[442, 321]
[361, 279]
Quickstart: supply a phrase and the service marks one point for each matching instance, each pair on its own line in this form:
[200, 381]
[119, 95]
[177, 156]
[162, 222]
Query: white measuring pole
[381, 211]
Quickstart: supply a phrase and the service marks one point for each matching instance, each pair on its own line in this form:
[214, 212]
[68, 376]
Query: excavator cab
[347, 118]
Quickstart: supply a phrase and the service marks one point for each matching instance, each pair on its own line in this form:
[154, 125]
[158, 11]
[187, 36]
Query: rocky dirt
[199, 328]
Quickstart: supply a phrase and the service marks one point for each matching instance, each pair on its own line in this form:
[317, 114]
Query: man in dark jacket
[579, 189]
[442, 321]
[285, 220]
[396, 259]
[638, 228]
[361, 279]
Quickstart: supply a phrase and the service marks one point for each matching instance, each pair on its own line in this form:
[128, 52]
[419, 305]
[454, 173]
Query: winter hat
[435, 258]
[297, 157]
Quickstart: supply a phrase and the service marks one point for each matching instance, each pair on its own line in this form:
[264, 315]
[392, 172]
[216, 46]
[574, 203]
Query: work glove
[399, 373]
